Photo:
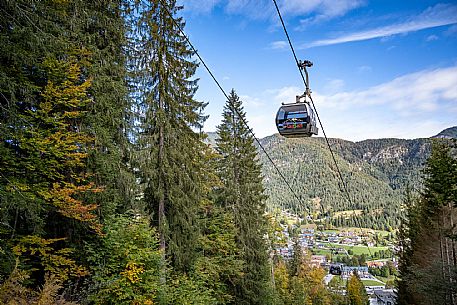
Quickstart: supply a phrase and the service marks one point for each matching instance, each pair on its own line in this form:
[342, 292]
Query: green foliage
[126, 264]
[220, 262]
[376, 173]
[44, 160]
[98, 117]
[336, 283]
[183, 290]
[450, 132]
[170, 152]
[100, 26]
[43, 255]
[44, 96]
[241, 193]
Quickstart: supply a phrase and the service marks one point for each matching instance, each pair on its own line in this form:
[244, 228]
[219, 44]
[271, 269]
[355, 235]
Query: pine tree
[242, 194]
[171, 151]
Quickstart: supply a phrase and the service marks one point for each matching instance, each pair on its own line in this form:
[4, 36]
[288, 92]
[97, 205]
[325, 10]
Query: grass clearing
[359, 250]
[321, 251]
[371, 283]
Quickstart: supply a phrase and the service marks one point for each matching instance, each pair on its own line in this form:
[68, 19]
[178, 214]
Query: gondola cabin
[335, 269]
[296, 120]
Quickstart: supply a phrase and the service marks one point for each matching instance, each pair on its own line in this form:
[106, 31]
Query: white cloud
[249, 101]
[438, 15]
[278, 45]
[415, 105]
[285, 94]
[319, 9]
[391, 48]
[431, 38]
[323, 8]
[410, 93]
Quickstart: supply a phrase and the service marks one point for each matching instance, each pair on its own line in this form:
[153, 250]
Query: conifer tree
[100, 26]
[171, 151]
[242, 194]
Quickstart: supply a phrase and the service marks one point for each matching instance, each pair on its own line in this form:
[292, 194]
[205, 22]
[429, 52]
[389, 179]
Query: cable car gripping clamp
[302, 65]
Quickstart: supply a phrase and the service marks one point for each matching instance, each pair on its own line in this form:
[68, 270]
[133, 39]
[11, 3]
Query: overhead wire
[345, 190]
[243, 120]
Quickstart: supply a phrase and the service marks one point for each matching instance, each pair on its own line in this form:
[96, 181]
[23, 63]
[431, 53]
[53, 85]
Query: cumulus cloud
[438, 15]
[420, 91]
[249, 101]
[414, 105]
[334, 85]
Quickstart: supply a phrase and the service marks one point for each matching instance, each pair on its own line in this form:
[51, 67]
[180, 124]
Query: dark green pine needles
[171, 151]
[242, 193]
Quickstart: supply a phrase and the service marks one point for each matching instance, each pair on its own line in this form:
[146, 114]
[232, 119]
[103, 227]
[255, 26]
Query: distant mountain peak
[448, 133]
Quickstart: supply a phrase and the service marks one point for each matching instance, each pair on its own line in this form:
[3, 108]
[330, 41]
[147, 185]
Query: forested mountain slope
[376, 172]
[450, 132]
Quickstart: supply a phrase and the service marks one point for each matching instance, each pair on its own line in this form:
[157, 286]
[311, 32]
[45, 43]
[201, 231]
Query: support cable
[308, 92]
[227, 97]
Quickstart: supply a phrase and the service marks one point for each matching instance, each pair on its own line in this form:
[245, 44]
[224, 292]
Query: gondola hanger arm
[302, 65]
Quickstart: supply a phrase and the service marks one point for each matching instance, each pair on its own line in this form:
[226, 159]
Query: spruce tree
[242, 194]
[100, 26]
[171, 151]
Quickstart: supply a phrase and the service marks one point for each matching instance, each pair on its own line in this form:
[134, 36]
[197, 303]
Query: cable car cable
[227, 97]
[308, 92]
[312, 101]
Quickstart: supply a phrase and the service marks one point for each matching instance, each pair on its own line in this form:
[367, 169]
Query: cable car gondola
[335, 269]
[296, 120]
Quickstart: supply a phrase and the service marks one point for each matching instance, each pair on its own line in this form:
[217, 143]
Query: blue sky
[381, 68]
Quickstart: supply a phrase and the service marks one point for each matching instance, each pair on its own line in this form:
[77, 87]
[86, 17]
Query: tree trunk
[443, 255]
[452, 264]
[449, 270]
[162, 196]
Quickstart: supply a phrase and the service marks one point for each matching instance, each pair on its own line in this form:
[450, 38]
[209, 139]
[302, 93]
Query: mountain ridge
[376, 173]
